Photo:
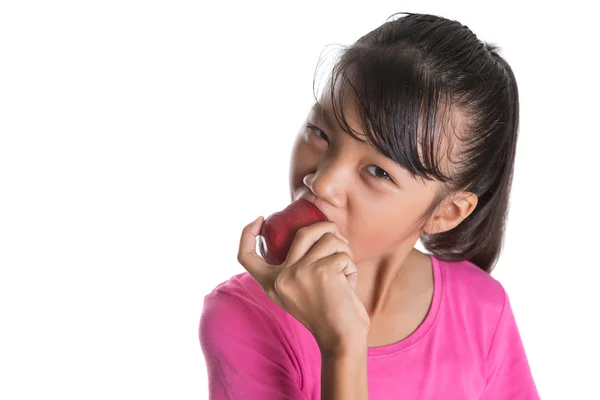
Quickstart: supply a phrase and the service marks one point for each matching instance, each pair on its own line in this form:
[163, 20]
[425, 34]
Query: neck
[379, 278]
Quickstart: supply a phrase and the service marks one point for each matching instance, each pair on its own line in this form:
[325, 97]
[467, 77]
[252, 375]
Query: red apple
[279, 229]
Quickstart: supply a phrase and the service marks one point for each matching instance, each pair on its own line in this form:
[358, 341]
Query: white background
[137, 138]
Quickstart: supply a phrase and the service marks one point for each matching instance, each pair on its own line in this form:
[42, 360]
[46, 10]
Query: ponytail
[480, 236]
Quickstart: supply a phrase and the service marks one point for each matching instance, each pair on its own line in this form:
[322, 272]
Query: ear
[453, 210]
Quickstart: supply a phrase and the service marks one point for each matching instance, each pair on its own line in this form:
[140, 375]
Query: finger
[338, 263]
[261, 271]
[352, 279]
[306, 238]
[327, 245]
[351, 272]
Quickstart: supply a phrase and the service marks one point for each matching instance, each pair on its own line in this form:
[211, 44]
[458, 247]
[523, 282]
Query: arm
[246, 355]
[509, 375]
[316, 285]
[344, 374]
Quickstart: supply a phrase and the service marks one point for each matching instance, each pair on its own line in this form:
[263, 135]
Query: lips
[318, 203]
[327, 209]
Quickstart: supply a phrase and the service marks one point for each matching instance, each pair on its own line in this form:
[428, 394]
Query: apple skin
[279, 229]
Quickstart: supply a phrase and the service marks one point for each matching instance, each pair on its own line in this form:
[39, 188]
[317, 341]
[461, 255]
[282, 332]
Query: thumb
[252, 262]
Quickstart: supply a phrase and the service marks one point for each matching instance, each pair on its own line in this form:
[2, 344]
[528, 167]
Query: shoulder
[468, 281]
[241, 293]
[472, 292]
[246, 341]
[239, 304]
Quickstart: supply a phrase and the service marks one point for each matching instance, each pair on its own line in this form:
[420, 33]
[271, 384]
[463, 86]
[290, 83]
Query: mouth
[324, 207]
[315, 202]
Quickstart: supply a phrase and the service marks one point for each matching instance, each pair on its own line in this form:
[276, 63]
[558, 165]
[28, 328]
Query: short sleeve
[245, 352]
[509, 376]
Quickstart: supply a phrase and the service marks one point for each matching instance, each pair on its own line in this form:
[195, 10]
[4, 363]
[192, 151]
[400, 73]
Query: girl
[413, 137]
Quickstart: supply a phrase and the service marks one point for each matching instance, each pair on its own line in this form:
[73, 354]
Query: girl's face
[375, 202]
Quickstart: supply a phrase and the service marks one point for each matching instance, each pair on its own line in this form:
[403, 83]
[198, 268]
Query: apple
[279, 229]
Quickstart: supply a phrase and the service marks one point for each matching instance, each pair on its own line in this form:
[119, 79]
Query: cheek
[372, 238]
[377, 227]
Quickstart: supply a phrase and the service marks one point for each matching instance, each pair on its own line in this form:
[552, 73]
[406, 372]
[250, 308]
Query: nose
[329, 182]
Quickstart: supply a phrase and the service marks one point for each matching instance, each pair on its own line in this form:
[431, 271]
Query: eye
[381, 174]
[318, 131]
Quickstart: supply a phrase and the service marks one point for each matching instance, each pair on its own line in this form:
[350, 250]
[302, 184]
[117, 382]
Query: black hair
[411, 77]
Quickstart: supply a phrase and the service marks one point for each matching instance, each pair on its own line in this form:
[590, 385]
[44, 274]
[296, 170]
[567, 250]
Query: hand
[315, 284]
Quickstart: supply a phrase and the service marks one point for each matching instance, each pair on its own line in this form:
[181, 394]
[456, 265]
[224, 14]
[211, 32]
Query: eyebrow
[318, 109]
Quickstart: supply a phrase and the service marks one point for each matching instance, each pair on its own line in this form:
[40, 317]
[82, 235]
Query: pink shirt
[468, 346]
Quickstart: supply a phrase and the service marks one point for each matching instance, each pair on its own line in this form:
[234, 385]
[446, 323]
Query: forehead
[334, 116]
